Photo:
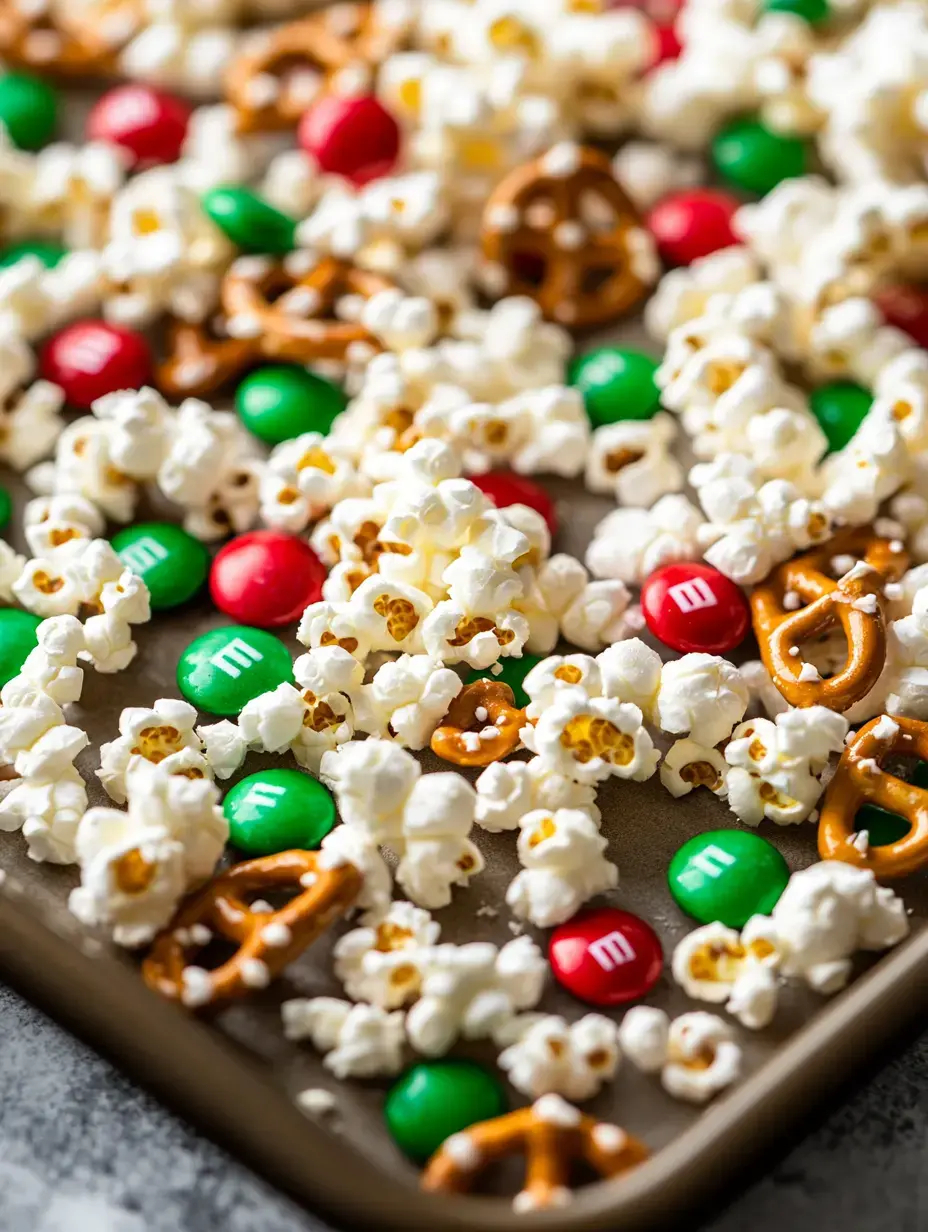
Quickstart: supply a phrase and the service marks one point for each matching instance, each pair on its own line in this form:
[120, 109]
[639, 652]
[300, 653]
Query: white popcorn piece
[48, 813]
[359, 1041]
[554, 1057]
[716, 964]
[631, 459]
[52, 665]
[406, 700]
[506, 791]
[592, 739]
[554, 674]
[158, 735]
[563, 866]
[629, 544]
[702, 694]
[702, 1057]
[382, 963]
[689, 764]
[223, 746]
[643, 1037]
[304, 479]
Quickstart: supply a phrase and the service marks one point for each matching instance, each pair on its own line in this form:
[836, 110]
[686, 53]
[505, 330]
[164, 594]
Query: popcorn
[407, 699]
[683, 294]
[454, 635]
[632, 460]
[907, 683]
[304, 478]
[51, 665]
[629, 544]
[359, 1041]
[713, 963]
[223, 746]
[30, 424]
[549, 678]
[158, 735]
[507, 791]
[48, 812]
[140, 425]
[382, 963]
[688, 764]
[631, 671]
[51, 522]
[703, 694]
[592, 739]
[83, 466]
[563, 866]
[554, 1057]
[643, 1036]
[695, 1054]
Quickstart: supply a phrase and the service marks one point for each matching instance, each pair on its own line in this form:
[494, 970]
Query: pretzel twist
[67, 48]
[222, 907]
[497, 699]
[198, 363]
[860, 779]
[829, 604]
[537, 231]
[550, 1148]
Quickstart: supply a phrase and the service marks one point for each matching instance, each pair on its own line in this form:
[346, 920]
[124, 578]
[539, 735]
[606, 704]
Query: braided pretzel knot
[829, 604]
[552, 1135]
[450, 740]
[198, 362]
[561, 230]
[860, 779]
[40, 40]
[292, 315]
[222, 907]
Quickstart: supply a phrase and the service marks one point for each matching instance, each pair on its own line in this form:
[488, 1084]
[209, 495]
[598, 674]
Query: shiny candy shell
[266, 578]
[276, 810]
[222, 670]
[148, 124]
[17, 639]
[436, 1099]
[504, 489]
[92, 358]
[354, 137]
[694, 608]
[727, 875]
[906, 307]
[606, 957]
[171, 562]
[692, 224]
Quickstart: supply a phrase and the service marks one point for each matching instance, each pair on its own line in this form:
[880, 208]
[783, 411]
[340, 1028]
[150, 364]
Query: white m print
[612, 951]
[234, 656]
[693, 595]
[142, 554]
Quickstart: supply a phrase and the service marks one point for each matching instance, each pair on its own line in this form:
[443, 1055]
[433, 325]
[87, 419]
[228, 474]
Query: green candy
[840, 409]
[813, 11]
[282, 401]
[436, 1099]
[727, 875]
[6, 507]
[46, 251]
[751, 157]
[248, 221]
[882, 826]
[171, 563]
[28, 110]
[513, 673]
[616, 383]
[276, 810]
[17, 638]
[220, 671]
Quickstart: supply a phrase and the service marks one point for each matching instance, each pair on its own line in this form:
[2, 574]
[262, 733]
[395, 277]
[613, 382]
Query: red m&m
[692, 224]
[354, 137]
[606, 957]
[91, 358]
[693, 607]
[906, 307]
[503, 489]
[147, 123]
[266, 578]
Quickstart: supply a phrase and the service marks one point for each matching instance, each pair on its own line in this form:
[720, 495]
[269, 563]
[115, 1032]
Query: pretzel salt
[552, 1135]
[268, 940]
[564, 235]
[459, 738]
[860, 779]
[828, 604]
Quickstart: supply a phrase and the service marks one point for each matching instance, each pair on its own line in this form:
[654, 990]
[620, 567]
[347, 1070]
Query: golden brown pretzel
[860, 779]
[198, 362]
[57, 45]
[267, 941]
[552, 1135]
[450, 740]
[544, 237]
[828, 604]
[291, 316]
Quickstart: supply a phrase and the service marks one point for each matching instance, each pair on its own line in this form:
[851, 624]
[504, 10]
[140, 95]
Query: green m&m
[6, 507]
[28, 110]
[727, 875]
[276, 810]
[47, 252]
[249, 222]
[750, 156]
[812, 11]
[616, 383]
[840, 408]
[222, 670]
[513, 673]
[882, 826]
[171, 563]
[436, 1099]
[282, 401]
[17, 638]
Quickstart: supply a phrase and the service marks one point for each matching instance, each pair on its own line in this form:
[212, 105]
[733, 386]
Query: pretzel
[828, 604]
[222, 907]
[860, 779]
[293, 315]
[36, 39]
[199, 361]
[498, 700]
[542, 235]
[551, 1134]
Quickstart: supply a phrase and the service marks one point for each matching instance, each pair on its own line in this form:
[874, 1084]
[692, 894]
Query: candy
[17, 639]
[435, 1099]
[355, 137]
[692, 224]
[727, 875]
[693, 607]
[751, 157]
[248, 221]
[48, 252]
[92, 358]
[840, 409]
[171, 563]
[906, 307]
[28, 110]
[282, 401]
[221, 671]
[6, 507]
[504, 489]
[813, 11]
[606, 957]
[616, 383]
[148, 124]
[266, 578]
[275, 810]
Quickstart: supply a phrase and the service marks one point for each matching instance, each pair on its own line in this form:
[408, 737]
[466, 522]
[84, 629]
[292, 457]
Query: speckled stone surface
[83, 1150]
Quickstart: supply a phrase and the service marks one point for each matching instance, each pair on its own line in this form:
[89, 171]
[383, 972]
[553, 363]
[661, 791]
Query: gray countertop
[84, 1150]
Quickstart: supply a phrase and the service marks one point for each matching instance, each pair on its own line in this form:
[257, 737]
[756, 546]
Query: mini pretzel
[860, 779]
[828, 604]
[291, 316]
[450, 741]
[565, 237]
[199, 362]
[552, 1135]
[35, 40]
[222, 907]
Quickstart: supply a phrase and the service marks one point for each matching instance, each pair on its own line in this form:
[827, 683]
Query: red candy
[149, 124]
[91, 358]
[606, 957]
[693, 607]
[668, 45]
[353, 137]
[266, 578]
[503, 489]
[692, 224]
[906, 307]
